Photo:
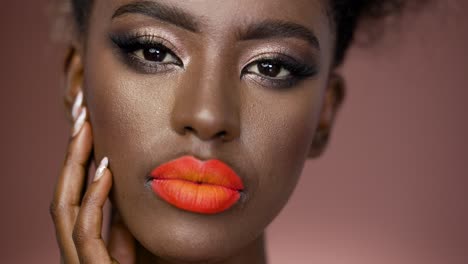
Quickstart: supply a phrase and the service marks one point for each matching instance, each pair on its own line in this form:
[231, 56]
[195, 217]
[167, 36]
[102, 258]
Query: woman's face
[242, 81]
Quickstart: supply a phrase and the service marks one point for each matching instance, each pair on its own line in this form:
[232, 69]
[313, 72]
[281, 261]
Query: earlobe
[333, 98]
[73, 69]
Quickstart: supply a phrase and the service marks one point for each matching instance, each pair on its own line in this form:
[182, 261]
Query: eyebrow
[162, 12]
[173, 15]
[279, 29]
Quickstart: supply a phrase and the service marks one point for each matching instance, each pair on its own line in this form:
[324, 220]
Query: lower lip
[207, 187]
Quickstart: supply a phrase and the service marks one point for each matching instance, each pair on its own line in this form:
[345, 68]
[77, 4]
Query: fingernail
[77, 105]
[79, 122]
[102, 167]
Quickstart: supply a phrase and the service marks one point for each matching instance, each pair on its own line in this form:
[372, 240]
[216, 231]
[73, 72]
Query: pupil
[269, 68]
[154, 54]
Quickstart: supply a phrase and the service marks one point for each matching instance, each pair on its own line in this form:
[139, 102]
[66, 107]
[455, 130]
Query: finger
[121, 242]
[65, 203]
[87, 237]
[77, 105]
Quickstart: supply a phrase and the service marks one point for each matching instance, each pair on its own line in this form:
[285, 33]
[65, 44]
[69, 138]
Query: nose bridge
[206, 103]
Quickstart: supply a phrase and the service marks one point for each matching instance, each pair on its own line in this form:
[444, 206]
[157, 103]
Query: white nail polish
[102, 167]
[77, 105]
[79, 122]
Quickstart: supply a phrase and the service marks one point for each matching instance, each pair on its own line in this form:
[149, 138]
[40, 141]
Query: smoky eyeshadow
[125, 44]
[299, 71]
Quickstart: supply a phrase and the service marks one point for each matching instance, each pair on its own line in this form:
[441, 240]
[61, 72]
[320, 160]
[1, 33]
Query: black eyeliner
[128, 43]
[298, 72]
[297, 69]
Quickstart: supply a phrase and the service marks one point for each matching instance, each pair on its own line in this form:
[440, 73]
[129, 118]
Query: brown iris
[154, 54]
[269, 68]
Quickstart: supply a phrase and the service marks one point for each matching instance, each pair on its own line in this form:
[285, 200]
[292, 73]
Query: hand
[78, 218]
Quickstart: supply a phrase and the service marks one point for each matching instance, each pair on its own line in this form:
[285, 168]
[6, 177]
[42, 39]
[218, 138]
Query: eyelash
[297, 71]
[129, 44]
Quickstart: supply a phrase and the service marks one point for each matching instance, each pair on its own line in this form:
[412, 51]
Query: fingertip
[79, 121]
[102, 169]
[77, 105]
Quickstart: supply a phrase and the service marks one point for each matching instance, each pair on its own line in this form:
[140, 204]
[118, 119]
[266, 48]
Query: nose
[208, 110]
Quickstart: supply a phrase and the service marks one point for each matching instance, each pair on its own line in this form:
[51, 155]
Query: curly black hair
[345, 15]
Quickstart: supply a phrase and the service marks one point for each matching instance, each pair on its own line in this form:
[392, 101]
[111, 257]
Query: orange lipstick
[207, 187]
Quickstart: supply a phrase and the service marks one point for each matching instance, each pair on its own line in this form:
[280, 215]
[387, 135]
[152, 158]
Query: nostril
[221, 134]
[189, 129]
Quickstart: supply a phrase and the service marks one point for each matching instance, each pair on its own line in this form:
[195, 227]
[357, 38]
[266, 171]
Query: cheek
[279, 136]
[129, 113]
[130, 117]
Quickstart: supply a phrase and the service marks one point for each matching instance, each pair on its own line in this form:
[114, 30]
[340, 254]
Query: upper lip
[191, 168]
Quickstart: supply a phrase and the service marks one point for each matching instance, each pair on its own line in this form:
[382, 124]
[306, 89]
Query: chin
[196, 238]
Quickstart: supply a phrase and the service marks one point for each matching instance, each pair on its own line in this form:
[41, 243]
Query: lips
[206, 187]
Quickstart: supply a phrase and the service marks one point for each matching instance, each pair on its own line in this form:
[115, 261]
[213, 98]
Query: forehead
[234, 7]
[219, 13]
[223, 19]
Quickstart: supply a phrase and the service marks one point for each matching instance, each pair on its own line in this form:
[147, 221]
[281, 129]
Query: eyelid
[267, 55]
[255, 63]
[147, 37]
[128, 45]
[275, 56]
[273, 83]
[148, 67]
[140, 54]
[284, 59]
[298, 70]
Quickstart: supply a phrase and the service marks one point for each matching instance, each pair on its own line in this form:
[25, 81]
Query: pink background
[392, 187]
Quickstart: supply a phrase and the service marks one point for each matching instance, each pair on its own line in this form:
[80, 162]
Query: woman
[201, 115]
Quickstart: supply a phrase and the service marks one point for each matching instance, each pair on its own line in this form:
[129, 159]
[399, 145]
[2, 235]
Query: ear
[73, 70]
[333, 98]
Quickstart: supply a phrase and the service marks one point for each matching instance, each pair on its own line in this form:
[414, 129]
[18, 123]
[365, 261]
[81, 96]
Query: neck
[254, 253]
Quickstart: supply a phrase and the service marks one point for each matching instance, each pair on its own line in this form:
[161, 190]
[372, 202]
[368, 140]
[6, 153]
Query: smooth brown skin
[207, 108]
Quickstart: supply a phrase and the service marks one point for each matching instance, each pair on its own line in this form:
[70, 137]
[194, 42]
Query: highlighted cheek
[194, 197]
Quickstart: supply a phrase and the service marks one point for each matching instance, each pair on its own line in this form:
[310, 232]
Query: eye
[147, 54]
[156, 53]
[279, 71]
[269, 68]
